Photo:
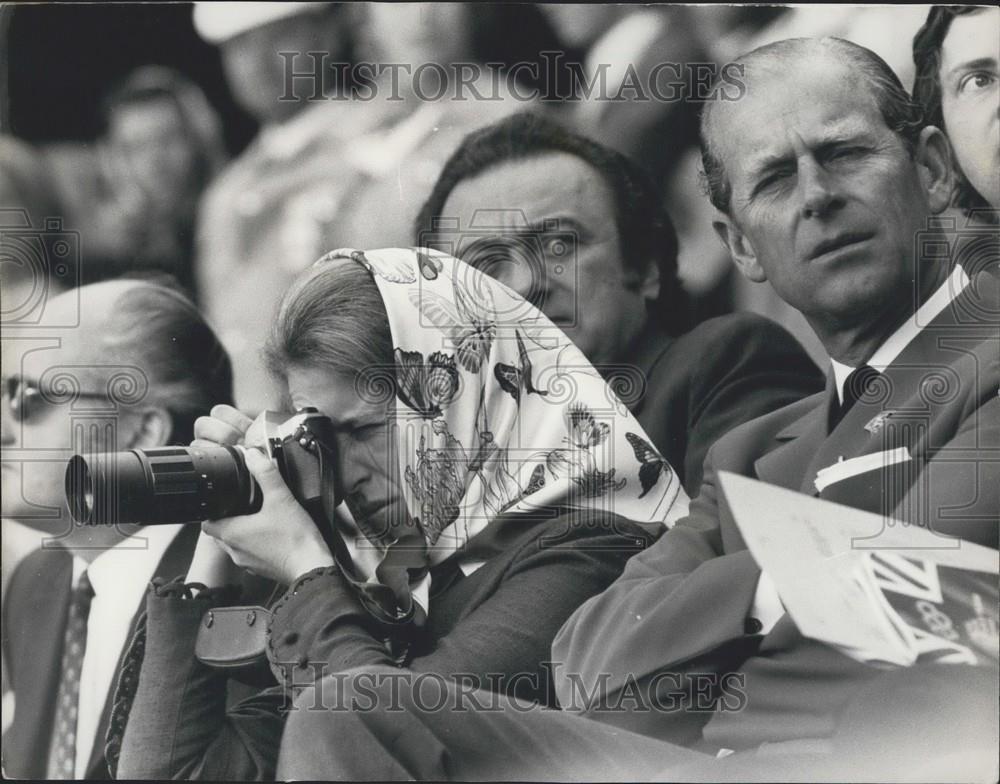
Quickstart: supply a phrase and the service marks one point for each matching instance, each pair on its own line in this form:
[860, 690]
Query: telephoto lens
[160, 486]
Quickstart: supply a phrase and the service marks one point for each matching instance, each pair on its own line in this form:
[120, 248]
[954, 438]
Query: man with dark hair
[826, 195]
[140, 366]
[957, 55]
[580, 231]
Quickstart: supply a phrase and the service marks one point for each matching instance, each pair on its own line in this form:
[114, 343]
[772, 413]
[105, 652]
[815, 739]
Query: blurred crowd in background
[153, 191]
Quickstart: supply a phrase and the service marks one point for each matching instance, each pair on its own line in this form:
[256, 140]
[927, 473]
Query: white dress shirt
[886, 354]
[767, 606]
[119, 577]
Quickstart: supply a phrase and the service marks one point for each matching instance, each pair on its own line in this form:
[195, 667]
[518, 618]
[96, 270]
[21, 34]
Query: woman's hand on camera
[281, 541]
[211, 565]
[224, 425]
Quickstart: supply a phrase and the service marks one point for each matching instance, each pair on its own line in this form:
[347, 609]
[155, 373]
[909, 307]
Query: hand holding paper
[879, 590]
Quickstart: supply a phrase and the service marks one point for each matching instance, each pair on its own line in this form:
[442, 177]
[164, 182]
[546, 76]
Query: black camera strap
[390, 605]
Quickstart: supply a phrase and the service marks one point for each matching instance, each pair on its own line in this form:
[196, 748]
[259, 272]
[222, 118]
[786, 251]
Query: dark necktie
[62, 753]
[860, 382]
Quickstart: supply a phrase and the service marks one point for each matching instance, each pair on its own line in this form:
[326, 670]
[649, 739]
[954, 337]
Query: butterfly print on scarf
[580, 466]
[511, 379]
[391, 264]
[584, 430]
[435, 483]
[428, 386]
[430, 267]
[594, 483]
[651, 463]
[536, 481]
[470, 327]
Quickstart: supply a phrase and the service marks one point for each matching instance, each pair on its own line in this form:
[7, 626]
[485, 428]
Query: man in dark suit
[826, 189]
[116, 365]
[580, 231]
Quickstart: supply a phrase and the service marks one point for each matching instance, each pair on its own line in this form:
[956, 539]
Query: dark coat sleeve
[744, 366]
[502, 638]
[177, 723]
[677, 613]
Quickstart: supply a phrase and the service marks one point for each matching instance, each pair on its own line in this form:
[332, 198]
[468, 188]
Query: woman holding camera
[493, 483]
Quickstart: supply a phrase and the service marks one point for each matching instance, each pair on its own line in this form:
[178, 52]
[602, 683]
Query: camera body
[174, 484]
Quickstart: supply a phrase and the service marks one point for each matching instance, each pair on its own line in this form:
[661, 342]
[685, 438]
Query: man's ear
[739, 247]
[934, 165]
[153, 428]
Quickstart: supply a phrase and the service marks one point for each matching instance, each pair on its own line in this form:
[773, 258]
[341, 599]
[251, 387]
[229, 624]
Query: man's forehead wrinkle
[800, 141]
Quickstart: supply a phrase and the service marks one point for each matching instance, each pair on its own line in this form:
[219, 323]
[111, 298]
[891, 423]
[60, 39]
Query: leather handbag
[233, 638]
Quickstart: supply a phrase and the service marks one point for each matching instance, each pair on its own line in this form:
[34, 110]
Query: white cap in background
[218, 22]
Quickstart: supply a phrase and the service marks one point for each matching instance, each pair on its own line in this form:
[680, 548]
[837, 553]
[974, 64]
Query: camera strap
[389, 604]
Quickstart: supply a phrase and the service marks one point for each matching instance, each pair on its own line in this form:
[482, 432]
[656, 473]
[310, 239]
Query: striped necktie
[62, 752]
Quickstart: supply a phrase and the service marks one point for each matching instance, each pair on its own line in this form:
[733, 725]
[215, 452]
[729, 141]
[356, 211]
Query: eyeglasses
[27, 399]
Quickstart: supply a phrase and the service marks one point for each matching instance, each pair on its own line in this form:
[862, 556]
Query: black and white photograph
[474, 391]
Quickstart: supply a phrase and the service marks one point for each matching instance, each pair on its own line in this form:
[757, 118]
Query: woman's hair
[927, 45]
[333, 318]
[157, 327]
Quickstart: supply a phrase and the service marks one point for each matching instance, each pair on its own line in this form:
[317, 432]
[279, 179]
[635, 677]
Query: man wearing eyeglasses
[135, 373]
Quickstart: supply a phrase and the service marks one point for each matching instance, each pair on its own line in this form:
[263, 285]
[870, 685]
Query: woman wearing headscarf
[494, 481]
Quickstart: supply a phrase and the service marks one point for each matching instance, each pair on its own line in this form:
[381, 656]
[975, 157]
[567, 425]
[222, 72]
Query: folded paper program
[877, 589]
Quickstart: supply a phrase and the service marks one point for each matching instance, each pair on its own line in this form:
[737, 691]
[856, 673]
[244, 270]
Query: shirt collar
[886, 354]
[127, 567]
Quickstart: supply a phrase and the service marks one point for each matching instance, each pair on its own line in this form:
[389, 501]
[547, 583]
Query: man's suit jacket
[700, 385]
[683, 606]
[35, 611]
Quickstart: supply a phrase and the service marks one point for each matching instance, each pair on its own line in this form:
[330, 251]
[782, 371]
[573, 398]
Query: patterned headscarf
[499, 414]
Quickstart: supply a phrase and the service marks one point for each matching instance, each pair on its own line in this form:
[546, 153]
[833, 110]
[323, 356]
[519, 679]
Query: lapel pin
[876, 423]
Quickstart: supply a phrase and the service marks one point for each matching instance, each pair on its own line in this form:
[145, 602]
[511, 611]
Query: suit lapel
[799, 440]
[175, 561]
[38, 662]
[900, 397]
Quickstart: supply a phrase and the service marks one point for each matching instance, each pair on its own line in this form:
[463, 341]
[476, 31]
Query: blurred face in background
[416, 33]
[256, 72]
[970, 98]
[151, 141]
[546, 227]
[581, 24]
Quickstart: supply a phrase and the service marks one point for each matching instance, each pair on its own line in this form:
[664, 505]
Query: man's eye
[976, 81]
[366, 432]
[772, 181]
[846, 153]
